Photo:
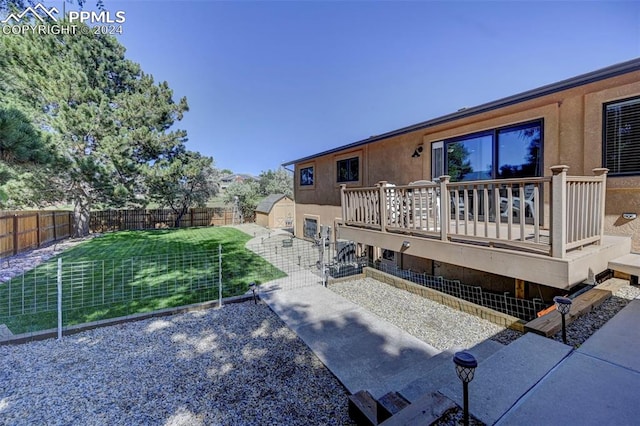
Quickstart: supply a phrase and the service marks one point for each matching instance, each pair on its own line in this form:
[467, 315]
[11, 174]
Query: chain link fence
[83, 292]
[61, 294]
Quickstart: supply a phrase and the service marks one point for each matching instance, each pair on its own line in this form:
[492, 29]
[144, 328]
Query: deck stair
[500, 380]
[437, 371]
[628, 264]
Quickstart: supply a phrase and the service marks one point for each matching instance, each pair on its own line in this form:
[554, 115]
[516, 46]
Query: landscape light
[465, 368]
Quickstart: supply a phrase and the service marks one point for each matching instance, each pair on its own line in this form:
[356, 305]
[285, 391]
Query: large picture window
[508, 152]
[622, 137]
[519, 151]
[348, 170]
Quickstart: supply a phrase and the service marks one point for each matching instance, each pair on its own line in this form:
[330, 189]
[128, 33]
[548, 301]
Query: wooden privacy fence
[25, 230]
[121, 220]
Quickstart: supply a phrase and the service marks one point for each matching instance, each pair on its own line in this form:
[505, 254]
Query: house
[533, 193]
[230, 178]
[276, 212]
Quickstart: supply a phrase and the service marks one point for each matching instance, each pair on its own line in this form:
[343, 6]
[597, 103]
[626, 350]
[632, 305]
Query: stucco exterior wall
[572, 135]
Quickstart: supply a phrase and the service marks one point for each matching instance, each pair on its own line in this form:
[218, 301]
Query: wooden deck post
[384, 205]
[521, 289]
[559, 211]
[343, 202]
[602, 173]
[444, 207]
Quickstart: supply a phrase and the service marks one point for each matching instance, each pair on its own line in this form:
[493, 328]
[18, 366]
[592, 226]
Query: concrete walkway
[363, 351]
[596, 384]
[533, 381]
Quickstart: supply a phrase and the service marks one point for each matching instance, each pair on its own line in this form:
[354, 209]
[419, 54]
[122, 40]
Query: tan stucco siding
[325, 215]
[572, 136]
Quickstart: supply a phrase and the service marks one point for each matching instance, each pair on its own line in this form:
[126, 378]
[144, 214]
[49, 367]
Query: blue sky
[268, 82]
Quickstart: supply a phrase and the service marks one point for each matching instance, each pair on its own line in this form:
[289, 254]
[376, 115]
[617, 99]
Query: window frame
[605, 105]
[353, 155]
[495, 145]
[316, 219]
[313, 176]
[349, 160]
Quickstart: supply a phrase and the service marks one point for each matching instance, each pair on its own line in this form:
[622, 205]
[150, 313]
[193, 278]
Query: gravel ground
[436, 324]
[445, 328]
[234, 366]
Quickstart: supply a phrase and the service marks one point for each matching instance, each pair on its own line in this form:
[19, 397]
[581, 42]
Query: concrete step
[440, 371]
[507, 375]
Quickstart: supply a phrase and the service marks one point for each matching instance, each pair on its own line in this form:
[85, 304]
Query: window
[310, 229]
[508, 152]
[470, 158]
[437, 160]
[622, 137]
[519, 151]
[306, 176]
[348, 170]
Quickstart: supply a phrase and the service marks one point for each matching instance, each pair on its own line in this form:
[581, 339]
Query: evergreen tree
[106, 117]
[25, 154]
[248, 196]
[186, 180]
[278, 181]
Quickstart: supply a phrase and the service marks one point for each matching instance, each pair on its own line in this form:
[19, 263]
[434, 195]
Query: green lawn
[131, 272]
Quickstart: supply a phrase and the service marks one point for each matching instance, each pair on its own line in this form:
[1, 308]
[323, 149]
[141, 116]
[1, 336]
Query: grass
[131, 272]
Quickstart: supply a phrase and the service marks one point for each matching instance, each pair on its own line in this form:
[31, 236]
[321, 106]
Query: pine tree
[106, 117]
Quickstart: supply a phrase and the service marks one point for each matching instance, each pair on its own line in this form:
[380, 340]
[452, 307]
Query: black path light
[465, 368]
[563, 305]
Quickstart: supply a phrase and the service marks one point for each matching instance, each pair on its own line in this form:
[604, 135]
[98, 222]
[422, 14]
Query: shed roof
[267, 204]
[591, 77]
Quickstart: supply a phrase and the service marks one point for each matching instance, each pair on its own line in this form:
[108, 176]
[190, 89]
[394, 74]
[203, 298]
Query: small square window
[306, 176]
[348, 170]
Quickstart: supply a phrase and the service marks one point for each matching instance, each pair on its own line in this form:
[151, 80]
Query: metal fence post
[59, 298]
[220, 275]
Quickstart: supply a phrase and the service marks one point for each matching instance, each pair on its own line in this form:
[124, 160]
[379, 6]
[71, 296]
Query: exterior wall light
[465, 369]
[406, 245]
[563, 305]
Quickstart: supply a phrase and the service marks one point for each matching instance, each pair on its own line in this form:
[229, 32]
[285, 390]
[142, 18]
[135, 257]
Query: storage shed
[276, 211]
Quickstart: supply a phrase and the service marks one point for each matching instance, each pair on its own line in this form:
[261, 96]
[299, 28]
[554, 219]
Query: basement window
[310, 229]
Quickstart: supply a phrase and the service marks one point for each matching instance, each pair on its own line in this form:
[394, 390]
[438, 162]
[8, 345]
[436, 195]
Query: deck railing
[550, 215]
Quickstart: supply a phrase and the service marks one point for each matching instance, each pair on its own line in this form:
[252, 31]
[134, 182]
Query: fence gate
[307, 263]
